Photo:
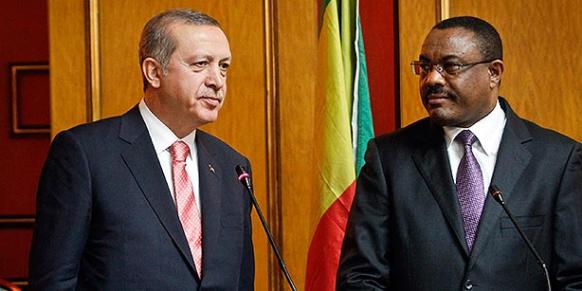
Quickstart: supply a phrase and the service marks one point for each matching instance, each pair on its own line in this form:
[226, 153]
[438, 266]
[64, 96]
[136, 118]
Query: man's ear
[152, 71]
[495, 73]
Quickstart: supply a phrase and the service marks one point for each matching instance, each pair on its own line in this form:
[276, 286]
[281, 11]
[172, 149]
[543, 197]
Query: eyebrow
[212, 58]
[208, 57]
[227, 59]
[445, 58]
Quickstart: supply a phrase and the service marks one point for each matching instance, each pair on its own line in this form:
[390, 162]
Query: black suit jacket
[405, 230]
[106, 219]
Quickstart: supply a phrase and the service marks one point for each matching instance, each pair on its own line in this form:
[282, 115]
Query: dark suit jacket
[106, 219]
[405, 230]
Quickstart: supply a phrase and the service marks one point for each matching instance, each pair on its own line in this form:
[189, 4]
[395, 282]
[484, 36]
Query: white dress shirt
[162, 138]
[488, 131]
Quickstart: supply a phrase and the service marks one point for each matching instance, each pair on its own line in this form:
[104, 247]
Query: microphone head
[242, 174]
[496, 193]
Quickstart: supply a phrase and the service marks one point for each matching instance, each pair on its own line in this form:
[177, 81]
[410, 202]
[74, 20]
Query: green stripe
[365, 124]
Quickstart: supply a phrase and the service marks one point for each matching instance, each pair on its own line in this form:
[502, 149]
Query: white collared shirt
[162, 138]
[489, 131]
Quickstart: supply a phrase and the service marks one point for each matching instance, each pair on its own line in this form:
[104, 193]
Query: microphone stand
[244, 177]
[498, 196]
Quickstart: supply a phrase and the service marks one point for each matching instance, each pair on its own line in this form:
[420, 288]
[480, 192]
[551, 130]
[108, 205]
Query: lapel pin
[211, 169]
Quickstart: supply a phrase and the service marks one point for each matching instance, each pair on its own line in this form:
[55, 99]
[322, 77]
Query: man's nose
[434, 75]
[215, 78]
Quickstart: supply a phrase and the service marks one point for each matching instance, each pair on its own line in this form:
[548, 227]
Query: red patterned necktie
[470, 188]
[185, 202]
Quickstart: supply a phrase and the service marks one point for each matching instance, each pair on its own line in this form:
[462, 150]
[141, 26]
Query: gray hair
[158, 44]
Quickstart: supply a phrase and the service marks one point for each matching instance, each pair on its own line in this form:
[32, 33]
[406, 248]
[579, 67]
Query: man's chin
[439, 117]
[208, 117]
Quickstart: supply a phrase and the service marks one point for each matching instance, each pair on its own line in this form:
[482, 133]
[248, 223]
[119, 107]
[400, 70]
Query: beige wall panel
[542, 67]
[67, 64]
[415, 20]
[297, 25]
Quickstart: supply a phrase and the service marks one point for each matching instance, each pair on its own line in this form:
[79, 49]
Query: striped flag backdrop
[346, 122]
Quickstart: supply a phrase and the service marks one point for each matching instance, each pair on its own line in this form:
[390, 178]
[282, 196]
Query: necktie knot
[466, 137]
[179, 151]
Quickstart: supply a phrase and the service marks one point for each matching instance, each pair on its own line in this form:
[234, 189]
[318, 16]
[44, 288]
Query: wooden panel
[415, 20]
[68, 64]
[24, 104]
[297, 26]
[30, 98]
[15, 244]
[24, 140]
[542, 67]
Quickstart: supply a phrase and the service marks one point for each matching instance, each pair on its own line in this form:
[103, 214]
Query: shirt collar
[488, 130]
[162, 137]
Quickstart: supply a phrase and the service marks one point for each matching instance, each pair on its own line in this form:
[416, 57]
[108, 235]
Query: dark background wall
[24, 145]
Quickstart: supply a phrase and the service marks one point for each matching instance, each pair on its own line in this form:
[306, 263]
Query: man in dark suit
[146, 201]
[422, 218]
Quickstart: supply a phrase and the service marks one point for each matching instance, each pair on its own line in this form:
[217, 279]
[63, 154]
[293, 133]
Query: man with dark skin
[414, 225]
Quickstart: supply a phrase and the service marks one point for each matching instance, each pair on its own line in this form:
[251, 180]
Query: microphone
[245, 179]
[498, 196]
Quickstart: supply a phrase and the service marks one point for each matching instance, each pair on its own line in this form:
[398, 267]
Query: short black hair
[487, 36]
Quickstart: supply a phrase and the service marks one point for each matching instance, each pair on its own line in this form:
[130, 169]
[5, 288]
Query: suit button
[468, 285]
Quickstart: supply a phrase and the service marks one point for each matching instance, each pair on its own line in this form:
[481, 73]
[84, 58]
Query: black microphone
[498, 196]
[245, 178]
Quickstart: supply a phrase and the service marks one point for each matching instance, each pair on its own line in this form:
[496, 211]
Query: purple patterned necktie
[469, 187]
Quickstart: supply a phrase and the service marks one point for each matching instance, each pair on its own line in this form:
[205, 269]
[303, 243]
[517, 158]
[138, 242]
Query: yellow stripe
[334, 87]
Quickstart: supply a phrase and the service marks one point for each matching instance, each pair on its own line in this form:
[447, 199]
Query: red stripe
[325, 248]
[379, 20]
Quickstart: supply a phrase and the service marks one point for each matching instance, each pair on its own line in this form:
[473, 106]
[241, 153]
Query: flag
[346, 127]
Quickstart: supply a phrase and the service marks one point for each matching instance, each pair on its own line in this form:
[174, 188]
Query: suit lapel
[432, 161]
[142, 161]
[210, 174]
[512, 159]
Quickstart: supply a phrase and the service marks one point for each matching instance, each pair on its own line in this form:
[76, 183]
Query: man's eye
[200, 64]
[424, 67]
[451, 67]
[224, 66]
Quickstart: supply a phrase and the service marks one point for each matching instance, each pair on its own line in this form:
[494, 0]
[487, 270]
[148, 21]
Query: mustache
[212, 93]
[440, 90]
[434, 90]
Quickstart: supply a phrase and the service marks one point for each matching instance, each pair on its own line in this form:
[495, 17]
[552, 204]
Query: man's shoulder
[528, 129]
[104, 133]
[96, 130]
[411, 135]
[548, 136]
[96, 126]
[216, 145]
[131, 122]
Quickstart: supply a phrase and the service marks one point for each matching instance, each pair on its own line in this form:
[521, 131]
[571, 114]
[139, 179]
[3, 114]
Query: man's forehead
[186, 35]
[450, 42]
